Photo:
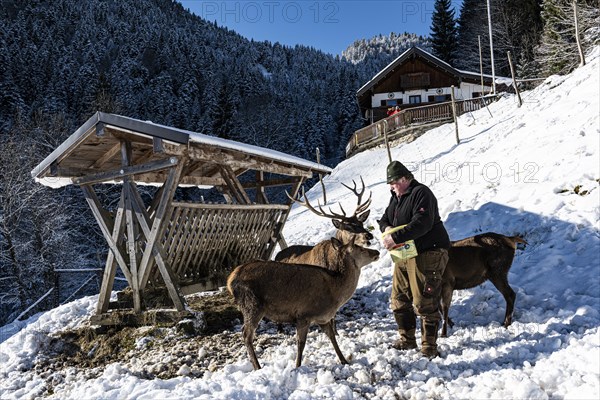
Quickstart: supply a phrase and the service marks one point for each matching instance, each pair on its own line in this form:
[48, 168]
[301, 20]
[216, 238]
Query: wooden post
[454, 114]
[113, 233]
[281, 240]
[321, 177]
[489, 15]
[480, 64]
[126, 156]
[261, 195]
[581, 56]
[155, 235]
[481, 74]
[512, 72]
[387, 144]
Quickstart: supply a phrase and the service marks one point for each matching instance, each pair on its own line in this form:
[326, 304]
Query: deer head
[348, 227]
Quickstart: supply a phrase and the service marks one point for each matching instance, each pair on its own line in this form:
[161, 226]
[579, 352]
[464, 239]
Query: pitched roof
[417, 52]
[80, 153]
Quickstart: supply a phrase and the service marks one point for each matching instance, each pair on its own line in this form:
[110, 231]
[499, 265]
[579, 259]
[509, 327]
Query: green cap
[395, 171]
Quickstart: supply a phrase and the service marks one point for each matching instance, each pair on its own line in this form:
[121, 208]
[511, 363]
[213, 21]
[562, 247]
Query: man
[416, 284]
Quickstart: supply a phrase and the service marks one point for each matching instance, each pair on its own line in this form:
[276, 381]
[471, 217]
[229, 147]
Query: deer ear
[337, 223]
[337, 244]
[363, 217]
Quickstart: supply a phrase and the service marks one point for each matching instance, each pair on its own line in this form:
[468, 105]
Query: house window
[414, 99]
[391, 103]
[476, 94]
[438, 98]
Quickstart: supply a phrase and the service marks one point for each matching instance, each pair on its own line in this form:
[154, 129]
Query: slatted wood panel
[204, 242]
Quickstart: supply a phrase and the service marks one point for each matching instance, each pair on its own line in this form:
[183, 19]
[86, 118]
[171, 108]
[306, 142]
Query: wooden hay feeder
[181, 247]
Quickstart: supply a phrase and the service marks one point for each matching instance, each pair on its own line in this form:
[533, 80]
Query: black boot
[406, 328]
[429, 335]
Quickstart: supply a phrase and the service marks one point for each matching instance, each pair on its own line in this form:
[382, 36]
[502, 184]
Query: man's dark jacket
[418, 209]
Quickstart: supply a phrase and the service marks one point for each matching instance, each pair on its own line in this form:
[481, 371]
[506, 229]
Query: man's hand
[388, 242]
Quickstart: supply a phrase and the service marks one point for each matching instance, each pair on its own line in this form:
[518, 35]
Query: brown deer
[297, 293]
[474, 260]
[348, 227]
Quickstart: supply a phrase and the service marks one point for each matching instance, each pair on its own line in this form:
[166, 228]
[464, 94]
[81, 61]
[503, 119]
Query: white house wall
[465, 91]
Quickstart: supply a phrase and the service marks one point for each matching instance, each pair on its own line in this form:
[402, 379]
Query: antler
[359, 207]
[321, 212]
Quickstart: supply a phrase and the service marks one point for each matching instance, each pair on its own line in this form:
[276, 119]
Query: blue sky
[330, 26]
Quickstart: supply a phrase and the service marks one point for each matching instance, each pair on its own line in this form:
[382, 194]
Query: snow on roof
[425, 53]
[175, 135]
[239, 146]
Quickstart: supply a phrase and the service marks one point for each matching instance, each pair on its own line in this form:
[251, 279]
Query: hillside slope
[531, 171]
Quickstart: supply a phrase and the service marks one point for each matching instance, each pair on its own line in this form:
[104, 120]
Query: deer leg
[250, 324]
[446, 300]
[501, 283]
[329, 329]
[301, 332]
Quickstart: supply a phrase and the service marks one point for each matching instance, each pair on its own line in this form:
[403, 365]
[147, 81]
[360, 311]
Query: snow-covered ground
[531, 171]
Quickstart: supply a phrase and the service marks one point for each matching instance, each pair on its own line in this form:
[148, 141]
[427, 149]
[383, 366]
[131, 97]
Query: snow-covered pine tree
[443, 31]
[472, 24]
[516, 26]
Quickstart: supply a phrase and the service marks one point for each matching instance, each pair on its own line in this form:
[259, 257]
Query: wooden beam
[231, 206]
[100, 129]
[125, 171]
[279, 238]
[154, 177]
[145, 224]
[234, 185]
[239, 161]
[146, 155]
[94, 204]
[269, 183]
[106, 156]
[151, 318]
[126, 159]
[157, 145]
[110, 268]
[156, 233]
[261, 196]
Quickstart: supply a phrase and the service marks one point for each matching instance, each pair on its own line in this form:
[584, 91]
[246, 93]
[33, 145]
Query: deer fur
[474, 260]
[346, 231]
[297, 293]
[323, 254]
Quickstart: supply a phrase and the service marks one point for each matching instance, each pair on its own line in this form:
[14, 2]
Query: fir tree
[443, 31]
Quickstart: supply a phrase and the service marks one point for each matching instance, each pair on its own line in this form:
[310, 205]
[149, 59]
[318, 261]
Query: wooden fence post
[512, 72]
[387, 144]
[321, 178]
[454, 114]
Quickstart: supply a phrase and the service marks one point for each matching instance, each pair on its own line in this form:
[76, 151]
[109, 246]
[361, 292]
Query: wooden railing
[374, 133]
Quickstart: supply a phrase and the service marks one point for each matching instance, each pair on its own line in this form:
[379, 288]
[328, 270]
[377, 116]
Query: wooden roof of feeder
[178, 246]
[93, 154]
